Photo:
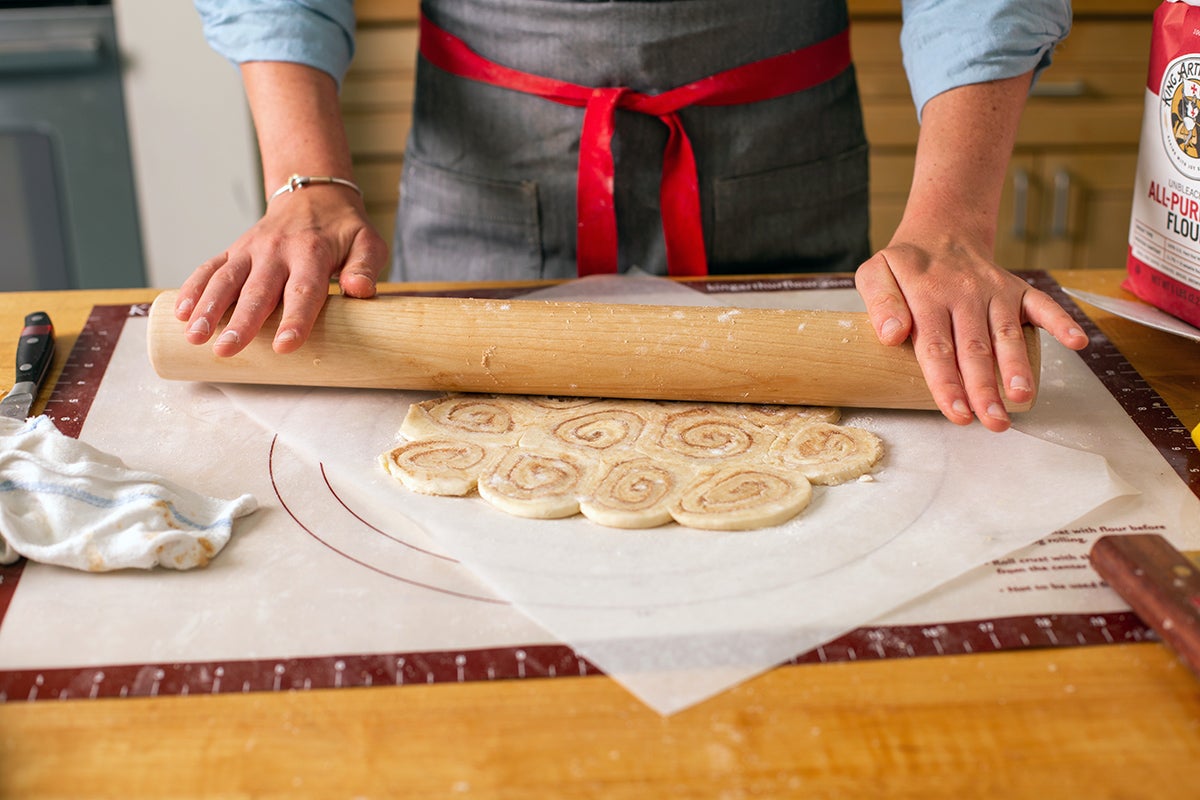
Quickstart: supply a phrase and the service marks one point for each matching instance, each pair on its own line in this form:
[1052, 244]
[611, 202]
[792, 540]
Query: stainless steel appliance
[68, 208]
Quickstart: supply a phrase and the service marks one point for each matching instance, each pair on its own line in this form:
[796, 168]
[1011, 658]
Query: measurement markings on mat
[1139, 399]
[84, 368]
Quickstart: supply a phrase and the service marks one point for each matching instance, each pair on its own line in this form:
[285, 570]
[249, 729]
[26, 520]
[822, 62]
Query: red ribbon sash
[679, 190]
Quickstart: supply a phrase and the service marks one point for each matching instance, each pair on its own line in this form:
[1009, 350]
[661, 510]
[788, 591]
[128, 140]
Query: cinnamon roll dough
[540, 484]
[736, 498]
[635, 494]
[630, 463]
[439, 465]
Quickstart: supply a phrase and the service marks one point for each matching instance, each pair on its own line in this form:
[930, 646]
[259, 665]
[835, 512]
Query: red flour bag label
[1164, 232]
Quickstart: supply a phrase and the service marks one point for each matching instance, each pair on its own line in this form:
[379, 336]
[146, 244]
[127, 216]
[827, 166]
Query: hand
[290, 255]
[964, 315]
[936, 282]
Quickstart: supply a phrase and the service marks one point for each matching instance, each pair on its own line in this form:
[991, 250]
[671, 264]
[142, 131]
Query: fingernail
[889, 328]
[286, 336]
[996, 411]
[960, 407]
[1019, 383]
[184, 309]
[1075, 332]
[200, 326]
[229, 337]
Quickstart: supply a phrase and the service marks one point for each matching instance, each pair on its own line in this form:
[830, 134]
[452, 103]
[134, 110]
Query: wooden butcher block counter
[1109, 721]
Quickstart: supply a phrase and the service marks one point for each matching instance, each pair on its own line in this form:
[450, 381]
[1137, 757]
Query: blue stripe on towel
[97, 501]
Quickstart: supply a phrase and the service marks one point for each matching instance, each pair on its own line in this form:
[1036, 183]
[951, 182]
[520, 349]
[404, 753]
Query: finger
[303, 298]
[933, 343]
[258, 298]
[219, 294]
[194, 286]
[367, 259]
[1012, 358]
[977, 366]
[886, 307]
[1041, 310]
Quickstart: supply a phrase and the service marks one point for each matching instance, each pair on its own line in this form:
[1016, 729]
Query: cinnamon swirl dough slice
[540, 484]
[478, 417]
[705, 436]
[738, 498]
[603, 431]
[440, 466]
[634, 494]
[827, 454]
[779, 417]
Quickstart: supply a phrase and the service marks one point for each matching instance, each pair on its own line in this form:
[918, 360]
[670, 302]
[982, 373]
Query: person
[553, 138]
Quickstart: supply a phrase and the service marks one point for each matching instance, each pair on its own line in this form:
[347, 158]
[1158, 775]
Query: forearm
[963, 150]
[297, 115]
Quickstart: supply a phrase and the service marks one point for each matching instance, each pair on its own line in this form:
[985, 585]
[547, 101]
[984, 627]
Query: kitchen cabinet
[1068, 195]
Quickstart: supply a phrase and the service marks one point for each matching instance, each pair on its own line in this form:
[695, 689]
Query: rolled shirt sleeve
[318, 33]
[951, 43]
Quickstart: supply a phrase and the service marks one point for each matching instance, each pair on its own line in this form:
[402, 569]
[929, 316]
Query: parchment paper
[677, 615]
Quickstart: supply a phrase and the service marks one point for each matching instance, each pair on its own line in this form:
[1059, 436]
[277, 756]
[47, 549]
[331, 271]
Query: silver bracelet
[300, 181]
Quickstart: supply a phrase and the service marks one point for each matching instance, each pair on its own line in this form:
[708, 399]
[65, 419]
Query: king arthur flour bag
[1164, 233]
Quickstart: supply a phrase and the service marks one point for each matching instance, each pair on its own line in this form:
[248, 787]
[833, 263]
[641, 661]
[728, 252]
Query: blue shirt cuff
[952, 43]
[317, 33]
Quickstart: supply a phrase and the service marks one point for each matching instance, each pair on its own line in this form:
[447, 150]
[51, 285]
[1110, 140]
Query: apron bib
[491, 187]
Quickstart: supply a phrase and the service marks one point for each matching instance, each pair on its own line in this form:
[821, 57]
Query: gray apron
[489, 179]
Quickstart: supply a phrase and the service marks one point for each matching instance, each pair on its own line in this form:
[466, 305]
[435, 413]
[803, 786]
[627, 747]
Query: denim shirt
[946, 43]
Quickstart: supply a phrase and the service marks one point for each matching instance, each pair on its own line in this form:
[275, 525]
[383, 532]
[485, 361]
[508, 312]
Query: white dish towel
[64, 502]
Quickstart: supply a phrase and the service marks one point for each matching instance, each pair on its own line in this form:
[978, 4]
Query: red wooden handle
[1159, 583]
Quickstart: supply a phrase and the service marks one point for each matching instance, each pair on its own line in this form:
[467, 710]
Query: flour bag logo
[1163, 260]
[1180, 94]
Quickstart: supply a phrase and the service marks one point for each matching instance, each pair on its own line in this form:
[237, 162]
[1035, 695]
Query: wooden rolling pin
[572, 349]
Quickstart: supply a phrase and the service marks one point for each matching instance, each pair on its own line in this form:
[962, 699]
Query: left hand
[964, 316]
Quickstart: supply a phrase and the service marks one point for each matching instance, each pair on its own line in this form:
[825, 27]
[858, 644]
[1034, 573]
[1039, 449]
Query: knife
[35, 350]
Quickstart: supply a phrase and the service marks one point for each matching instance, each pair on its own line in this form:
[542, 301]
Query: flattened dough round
[603, 432]
[741, 498]
[439, 465]
[477, 417]
[535, 484]
[779, 417]
[704, 435]
[827, 454]
[634, 494]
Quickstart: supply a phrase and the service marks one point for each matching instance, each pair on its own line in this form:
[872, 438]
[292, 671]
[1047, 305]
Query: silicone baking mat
[367, 602]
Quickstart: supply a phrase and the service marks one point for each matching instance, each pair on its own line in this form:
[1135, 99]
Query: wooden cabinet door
[1017, 221]
[1086, 201]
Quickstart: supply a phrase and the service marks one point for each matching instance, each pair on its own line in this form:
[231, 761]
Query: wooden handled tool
[1161, 585]
[572, 349]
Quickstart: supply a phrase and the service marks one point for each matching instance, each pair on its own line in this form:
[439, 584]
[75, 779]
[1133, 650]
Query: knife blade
[35, 350]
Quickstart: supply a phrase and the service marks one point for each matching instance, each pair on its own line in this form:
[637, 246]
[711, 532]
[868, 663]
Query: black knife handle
[36, 348]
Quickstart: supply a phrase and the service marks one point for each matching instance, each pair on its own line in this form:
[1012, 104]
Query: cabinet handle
[1020, 203]
[51, 55]
[1062, 204]
[1076, 88]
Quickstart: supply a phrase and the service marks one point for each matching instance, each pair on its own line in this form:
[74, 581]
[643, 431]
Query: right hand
[305, 238]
